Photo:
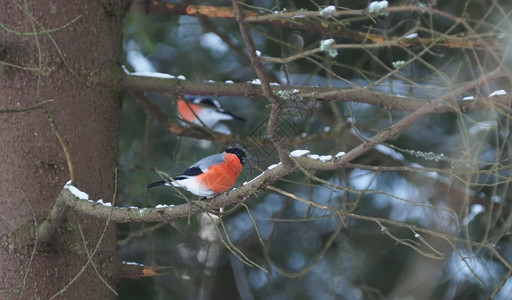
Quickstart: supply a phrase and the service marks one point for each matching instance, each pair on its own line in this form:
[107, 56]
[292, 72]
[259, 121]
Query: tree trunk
[77, 64]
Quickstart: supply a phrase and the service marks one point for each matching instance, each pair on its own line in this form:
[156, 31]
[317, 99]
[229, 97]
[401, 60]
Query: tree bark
[69, 52]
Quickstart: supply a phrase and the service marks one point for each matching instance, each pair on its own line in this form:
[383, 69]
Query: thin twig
[63, 143]
[277, 102]
[33, 253]
[24, 109]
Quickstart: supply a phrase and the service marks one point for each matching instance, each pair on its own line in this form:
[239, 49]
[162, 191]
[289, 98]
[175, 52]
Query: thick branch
[248, 90]
[315, 21]
[50, 226]
[413, 117]
[169, 213]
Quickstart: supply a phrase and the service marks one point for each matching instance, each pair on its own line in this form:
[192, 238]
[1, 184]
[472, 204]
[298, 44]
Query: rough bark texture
[80, 70]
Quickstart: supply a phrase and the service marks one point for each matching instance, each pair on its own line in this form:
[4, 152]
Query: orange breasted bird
[211, 175]
[207, 109]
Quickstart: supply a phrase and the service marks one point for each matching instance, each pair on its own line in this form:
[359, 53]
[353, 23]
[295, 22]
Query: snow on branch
[168, 85]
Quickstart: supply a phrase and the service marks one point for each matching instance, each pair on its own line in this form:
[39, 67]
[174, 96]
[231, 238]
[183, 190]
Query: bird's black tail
[157, 183]
[234, 116]
[239, 118]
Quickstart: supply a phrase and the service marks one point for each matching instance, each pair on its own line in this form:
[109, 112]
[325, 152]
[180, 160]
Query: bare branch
[62, 142]
[248, 90]
[24, 109]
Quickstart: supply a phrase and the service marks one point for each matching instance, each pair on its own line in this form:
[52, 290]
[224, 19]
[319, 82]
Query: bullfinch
[211, 175]
[207, 109]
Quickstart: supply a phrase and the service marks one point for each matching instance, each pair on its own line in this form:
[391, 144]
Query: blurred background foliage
[307, 252]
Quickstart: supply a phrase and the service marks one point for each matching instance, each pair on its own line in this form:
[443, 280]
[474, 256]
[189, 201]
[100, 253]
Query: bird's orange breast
[223, 176]
[185, 110]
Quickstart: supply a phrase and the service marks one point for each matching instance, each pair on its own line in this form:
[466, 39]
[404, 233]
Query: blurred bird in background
[205, 111]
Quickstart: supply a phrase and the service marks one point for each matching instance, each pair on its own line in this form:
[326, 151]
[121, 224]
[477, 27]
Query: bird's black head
[205, 101]
[238, 152]
[208, 102]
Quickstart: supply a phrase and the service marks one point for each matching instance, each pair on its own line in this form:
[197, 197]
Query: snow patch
[247, 182]
[322, 158]
[328, 10]
[325, 158]
[273, 166]
[326, 46]
[497, 93]
[75, 191]
[104, 203]
[132, 263]
[299, 153]
[377, 6]
[397, 64]
[340, 154]
[153, 74]
[163, 205]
